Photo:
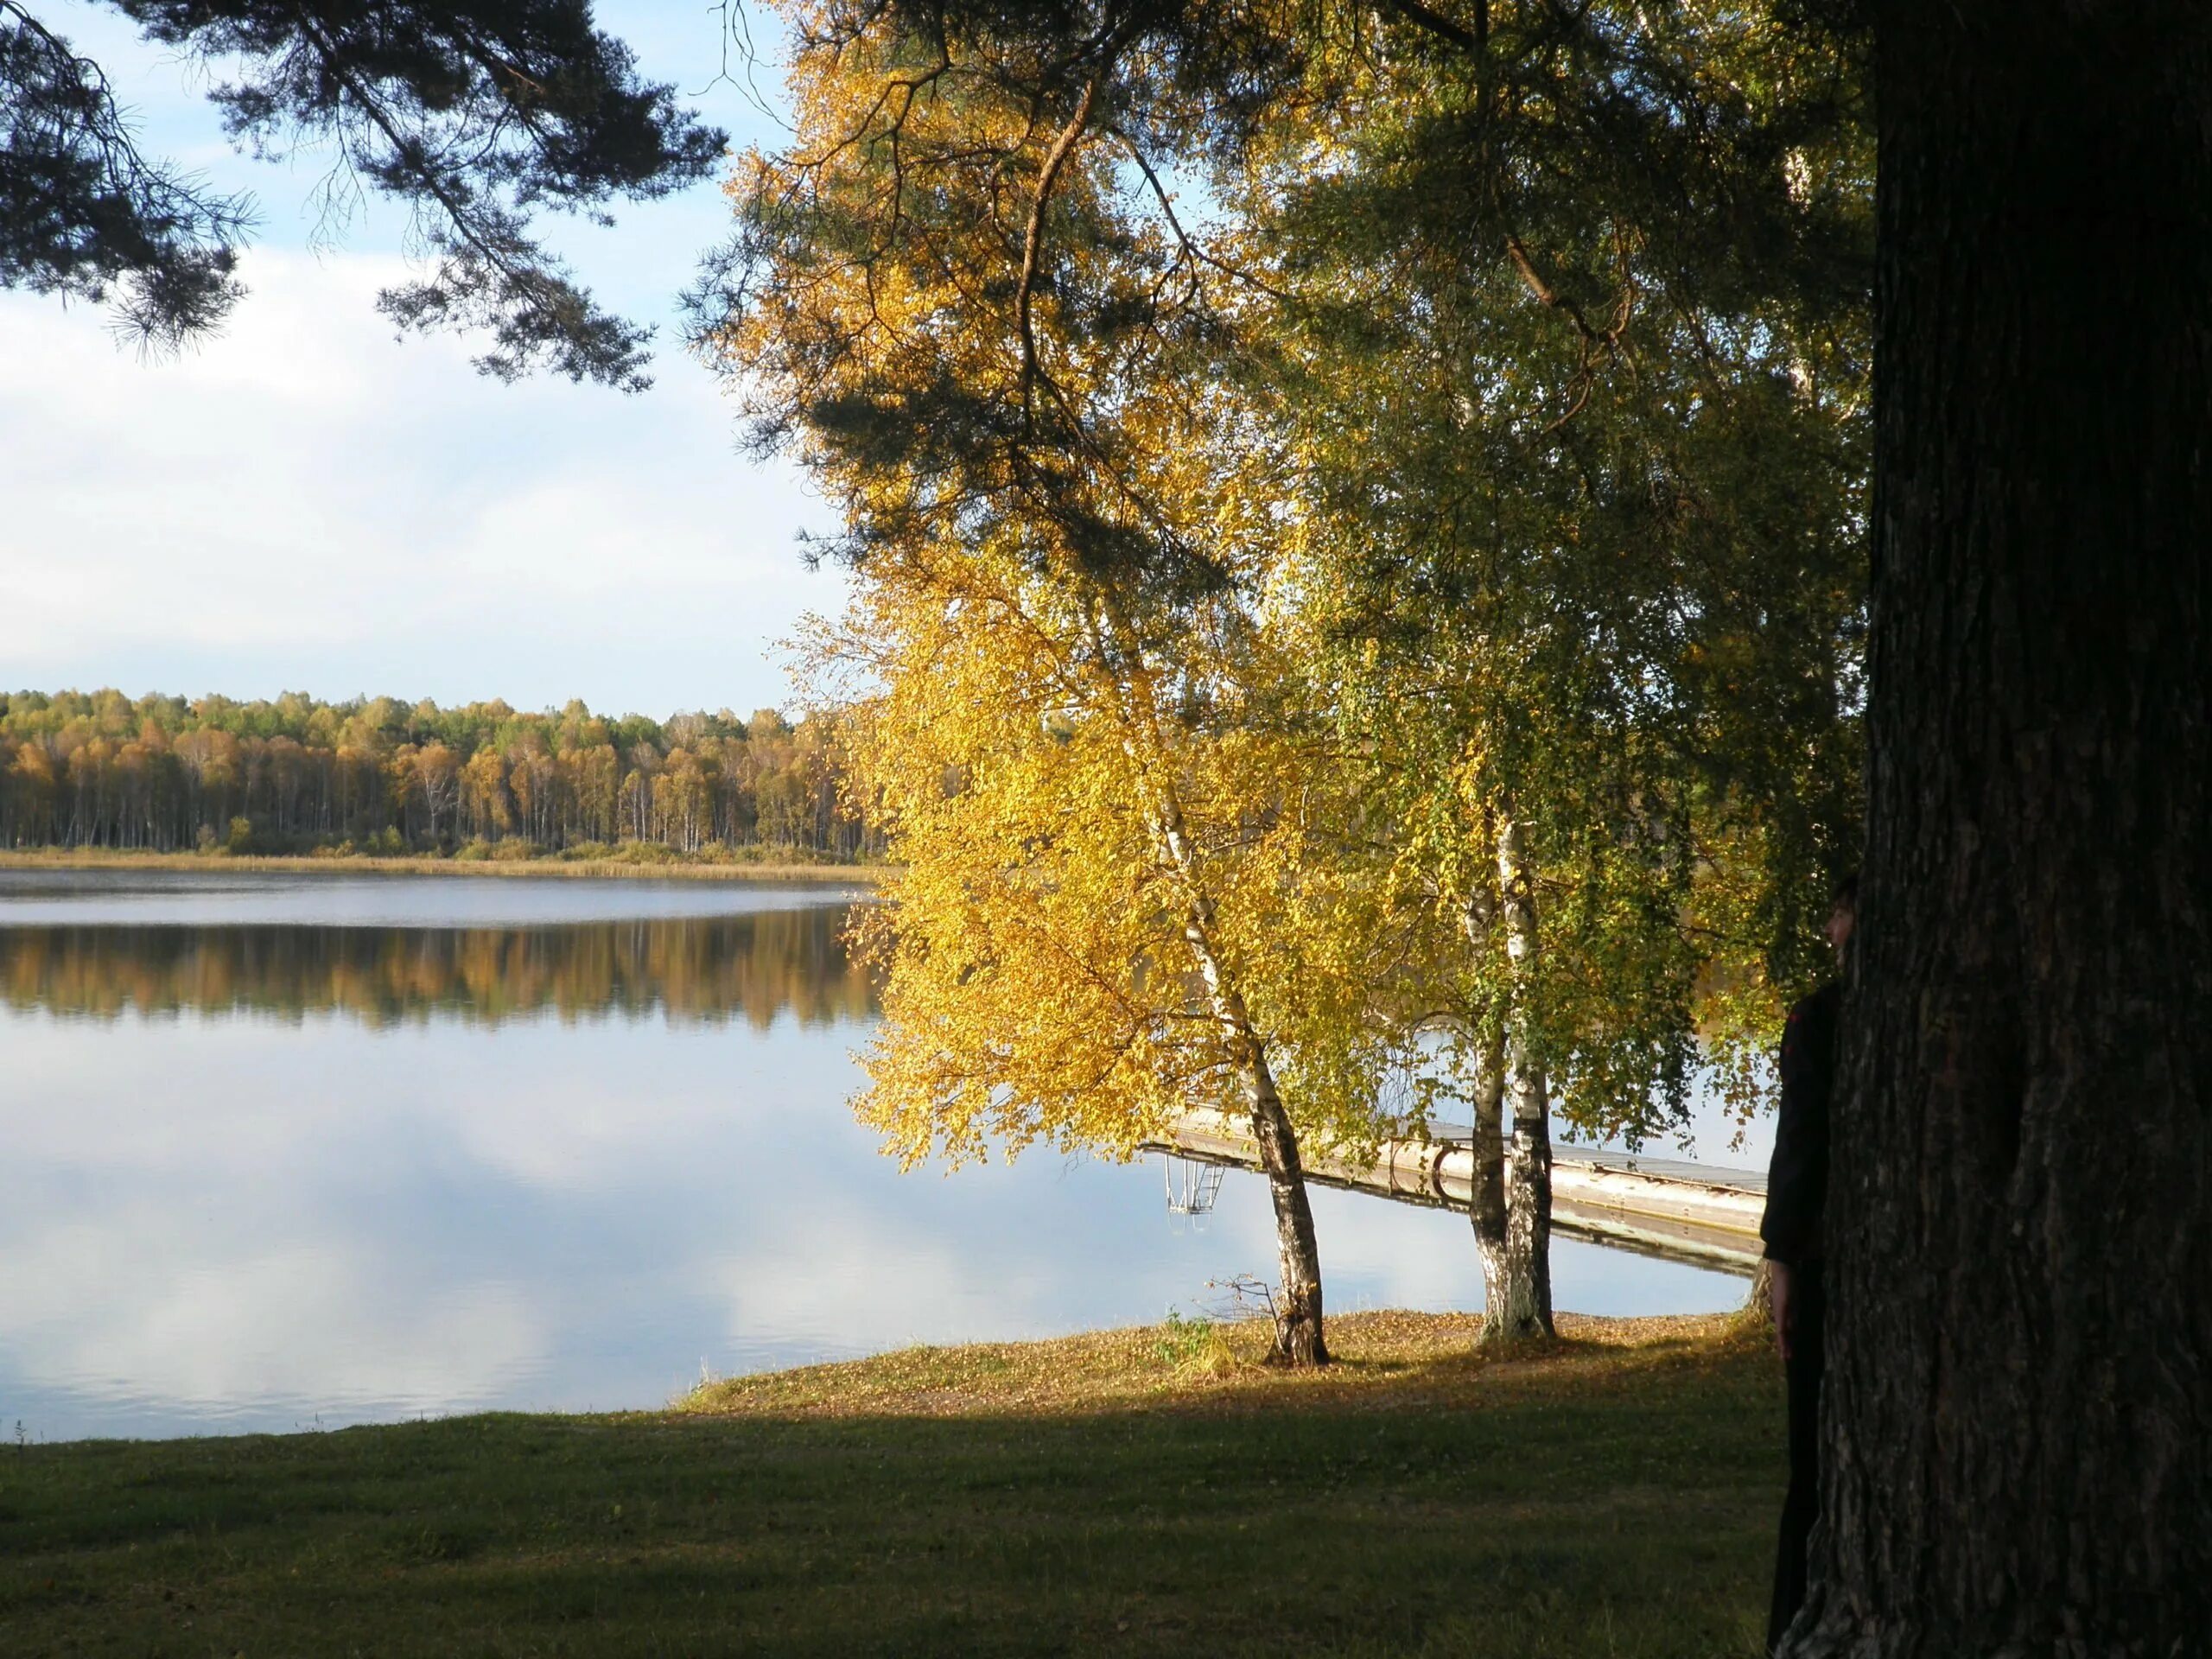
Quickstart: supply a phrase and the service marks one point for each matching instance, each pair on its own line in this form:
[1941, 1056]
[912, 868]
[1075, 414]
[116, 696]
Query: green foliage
[475, 115]
[1195, 1347]
[1592, 562]
[1182, 1339]
[100, 769]
[1510, 372]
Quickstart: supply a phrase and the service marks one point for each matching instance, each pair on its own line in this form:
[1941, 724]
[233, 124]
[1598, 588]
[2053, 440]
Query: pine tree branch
[1033, 238]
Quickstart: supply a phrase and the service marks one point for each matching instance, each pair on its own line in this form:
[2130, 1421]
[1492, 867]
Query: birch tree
[976, 318]
[1117, 899]
[2020, 1343]
[985, 252]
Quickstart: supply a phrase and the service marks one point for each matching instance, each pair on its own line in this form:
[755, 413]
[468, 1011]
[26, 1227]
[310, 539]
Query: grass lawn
[1143, 1492]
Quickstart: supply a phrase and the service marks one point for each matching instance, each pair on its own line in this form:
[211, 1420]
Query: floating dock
[1706, 1216]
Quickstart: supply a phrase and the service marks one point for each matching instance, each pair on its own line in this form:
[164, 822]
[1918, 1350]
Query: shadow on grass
[1569, 1501]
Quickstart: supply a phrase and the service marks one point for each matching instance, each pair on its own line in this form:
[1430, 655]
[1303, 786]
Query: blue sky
[304, 503]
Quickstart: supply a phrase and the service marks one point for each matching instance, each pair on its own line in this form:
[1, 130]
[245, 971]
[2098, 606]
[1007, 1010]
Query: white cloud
[302, 502]
[113, 1311]
[238, 1221]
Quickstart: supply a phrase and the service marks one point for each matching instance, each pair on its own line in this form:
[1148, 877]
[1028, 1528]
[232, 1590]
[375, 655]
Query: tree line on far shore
[1371, 531]
[373, 775]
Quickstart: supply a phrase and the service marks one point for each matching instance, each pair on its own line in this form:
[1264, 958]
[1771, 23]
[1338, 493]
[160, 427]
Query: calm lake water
[278, 1152]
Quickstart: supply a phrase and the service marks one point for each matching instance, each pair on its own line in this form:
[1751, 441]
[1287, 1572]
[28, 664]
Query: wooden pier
[1707, 1218]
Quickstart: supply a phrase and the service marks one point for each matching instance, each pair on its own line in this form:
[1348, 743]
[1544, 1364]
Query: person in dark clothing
[1797, 1193]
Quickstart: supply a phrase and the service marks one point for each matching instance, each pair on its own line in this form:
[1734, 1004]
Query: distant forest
[375, 776]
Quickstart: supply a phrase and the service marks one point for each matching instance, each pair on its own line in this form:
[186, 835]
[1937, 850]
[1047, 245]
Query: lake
[296, 1151]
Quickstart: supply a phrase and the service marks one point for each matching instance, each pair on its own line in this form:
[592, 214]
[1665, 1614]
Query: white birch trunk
[1527, 1311]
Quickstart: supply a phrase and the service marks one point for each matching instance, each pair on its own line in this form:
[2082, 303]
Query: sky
[305, 503]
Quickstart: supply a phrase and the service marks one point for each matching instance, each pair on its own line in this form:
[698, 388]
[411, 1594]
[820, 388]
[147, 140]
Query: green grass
[1612, 1494]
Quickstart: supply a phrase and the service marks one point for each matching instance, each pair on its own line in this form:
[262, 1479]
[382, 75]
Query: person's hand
[1781, 1303]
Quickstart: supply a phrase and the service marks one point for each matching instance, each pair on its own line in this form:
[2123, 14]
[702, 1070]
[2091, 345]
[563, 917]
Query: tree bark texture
[1299, 1337]
[1487, 1211]
[1528, 1310]
[2018, 1422]
[1507, 1282]
[1760, 1303]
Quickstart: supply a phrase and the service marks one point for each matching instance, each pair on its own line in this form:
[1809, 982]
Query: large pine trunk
[2018, 1419]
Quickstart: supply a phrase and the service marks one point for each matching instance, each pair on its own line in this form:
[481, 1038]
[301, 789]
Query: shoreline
[1215, 1364]
[1148, 1493]
[431, 864]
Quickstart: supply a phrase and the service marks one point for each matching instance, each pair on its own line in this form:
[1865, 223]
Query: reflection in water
[692, 969]
[433, 1203]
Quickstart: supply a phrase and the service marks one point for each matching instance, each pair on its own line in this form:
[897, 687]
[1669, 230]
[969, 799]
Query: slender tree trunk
[1758, 1302]
[1507, 1285]
[1299, 1337]
[1503, 1288]
[2019, 1417]
[1529, 1183]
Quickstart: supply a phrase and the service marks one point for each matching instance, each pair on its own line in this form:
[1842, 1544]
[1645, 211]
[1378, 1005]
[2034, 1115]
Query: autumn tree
[431, 775]
[1545, 478]
[1596, 616]
[160, 774]
[2021, 1212]
[484, 797]
[1114, 904]
[1111, 806]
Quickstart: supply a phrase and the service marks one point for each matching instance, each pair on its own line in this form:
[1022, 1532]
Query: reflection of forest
[690, 970]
